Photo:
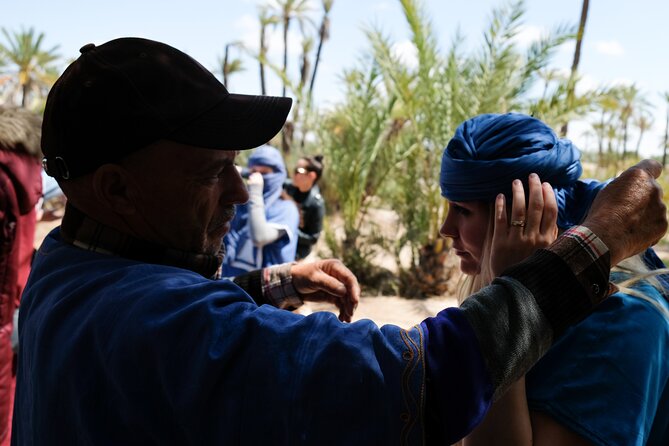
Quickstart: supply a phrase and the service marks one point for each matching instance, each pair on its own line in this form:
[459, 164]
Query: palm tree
[642, 121]
[228, 65]
[33, 64]
[631, 101]
[577, 57]
[266, 19]
[607, 104]
[323, 35]
[290, 10]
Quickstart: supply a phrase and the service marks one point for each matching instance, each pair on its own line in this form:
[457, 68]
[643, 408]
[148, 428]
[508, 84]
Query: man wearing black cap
[128, 337]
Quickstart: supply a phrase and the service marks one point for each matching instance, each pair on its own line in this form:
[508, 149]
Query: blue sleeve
[459, 390]
[604, 379]
[284, 215]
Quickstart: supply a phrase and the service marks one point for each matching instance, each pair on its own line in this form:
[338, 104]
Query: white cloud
[586, 83]
[529, 34]
[248, 29]
[406, 52]
[249, 34]
[609, 48]
[622, 82]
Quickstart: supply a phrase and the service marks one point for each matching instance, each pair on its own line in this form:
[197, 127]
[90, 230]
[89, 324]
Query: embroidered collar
[83, 232]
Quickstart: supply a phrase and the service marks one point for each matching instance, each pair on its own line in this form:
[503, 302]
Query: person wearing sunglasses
[304, 190]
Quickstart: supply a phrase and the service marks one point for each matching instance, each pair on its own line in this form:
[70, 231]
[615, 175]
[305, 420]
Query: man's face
[186, 195]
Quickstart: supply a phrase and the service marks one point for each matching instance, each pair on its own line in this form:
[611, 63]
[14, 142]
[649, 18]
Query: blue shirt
[116, 351]
[606, 379]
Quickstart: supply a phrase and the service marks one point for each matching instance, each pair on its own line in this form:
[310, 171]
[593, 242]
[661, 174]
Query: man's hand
[327, 281]
[628, 214]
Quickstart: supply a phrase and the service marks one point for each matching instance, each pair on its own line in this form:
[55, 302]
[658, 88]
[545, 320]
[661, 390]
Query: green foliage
[360, 142]
[31, 66]
[411, 119]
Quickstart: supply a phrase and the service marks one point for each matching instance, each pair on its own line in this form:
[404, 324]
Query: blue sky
[625, 42]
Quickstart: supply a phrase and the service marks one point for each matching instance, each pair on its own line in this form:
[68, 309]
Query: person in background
[20, 191]
[264, 230]
[606, 381]
[52, 203]
[129, 337]
[304, 190]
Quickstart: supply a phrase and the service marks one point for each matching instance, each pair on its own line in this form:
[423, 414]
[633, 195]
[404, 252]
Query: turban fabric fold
[489, 151]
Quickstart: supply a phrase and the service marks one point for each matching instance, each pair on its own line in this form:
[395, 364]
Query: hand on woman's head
[629, 214]
[528, 229]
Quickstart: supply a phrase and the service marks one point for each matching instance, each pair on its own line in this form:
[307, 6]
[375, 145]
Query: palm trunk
[286, 25]
[638, 143]
[323, 34]
[263, 52]
[225, 65]
[24, 94]
[624, 154]
[571, 86]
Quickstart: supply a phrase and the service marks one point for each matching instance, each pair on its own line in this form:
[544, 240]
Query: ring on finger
[519, 223]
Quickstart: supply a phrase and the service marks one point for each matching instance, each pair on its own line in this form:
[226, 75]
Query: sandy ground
[391, 309]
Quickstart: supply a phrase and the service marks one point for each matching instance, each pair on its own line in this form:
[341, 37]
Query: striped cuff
[278, 289]
[568, 279]
[588, 258]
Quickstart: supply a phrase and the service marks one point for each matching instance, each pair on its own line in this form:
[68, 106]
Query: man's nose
[237, 193]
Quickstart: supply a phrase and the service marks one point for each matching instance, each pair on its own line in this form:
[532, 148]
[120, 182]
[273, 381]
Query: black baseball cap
[123, 95]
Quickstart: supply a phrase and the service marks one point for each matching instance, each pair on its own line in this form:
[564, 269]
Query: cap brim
[238, 122]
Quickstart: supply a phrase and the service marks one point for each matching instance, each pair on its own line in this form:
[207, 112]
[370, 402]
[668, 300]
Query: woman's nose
[448, 228]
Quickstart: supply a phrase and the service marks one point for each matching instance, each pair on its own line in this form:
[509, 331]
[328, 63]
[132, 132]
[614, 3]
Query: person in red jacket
[20, 190]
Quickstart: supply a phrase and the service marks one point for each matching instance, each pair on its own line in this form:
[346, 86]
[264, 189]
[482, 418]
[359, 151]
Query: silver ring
[520, 223]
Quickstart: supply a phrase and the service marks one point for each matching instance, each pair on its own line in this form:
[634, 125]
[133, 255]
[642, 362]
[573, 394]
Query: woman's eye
[461, 210]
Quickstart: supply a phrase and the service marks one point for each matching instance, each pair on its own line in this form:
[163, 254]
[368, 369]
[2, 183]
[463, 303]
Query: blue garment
[115, 351]
[489, 151]
[242, 255]
[607, 378]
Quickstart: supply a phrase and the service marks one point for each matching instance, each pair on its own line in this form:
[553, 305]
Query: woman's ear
[115, 189]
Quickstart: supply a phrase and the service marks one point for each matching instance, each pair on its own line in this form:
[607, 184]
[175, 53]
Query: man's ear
[115, 189]
[313, 176]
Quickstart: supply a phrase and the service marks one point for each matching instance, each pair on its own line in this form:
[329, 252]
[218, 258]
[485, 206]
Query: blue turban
[273, 182]
[489, 151]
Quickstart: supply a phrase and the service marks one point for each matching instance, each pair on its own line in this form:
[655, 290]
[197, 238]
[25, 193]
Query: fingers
[549, 219]
[518, 218]
[328, 281]
[500, 229]
[535, 206]
[651, 166]
[329, 284]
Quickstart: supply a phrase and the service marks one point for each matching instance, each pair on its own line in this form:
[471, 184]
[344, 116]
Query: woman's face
[467, 224]
[303, 179]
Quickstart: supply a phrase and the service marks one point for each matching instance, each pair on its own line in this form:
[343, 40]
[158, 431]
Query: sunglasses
[301, 170]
